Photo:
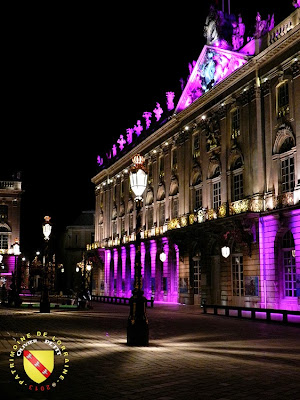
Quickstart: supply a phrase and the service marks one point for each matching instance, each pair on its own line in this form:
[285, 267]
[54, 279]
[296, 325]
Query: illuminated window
[289, 265]
[174, 209]
[197, 276]
[238, 190]
[283, 99]
[235, 123]
[161, 167]
[287, 174]
[122, 226]
[198, 197]
[3, 212]
[3, 240]
[216, 194]
[174, 160]
[196, 145]
[237, 269]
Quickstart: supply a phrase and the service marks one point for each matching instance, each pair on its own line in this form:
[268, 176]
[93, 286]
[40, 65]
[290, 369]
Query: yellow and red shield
[38, 364]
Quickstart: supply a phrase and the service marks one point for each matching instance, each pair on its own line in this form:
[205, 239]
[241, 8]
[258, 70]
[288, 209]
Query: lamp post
[15, 286]
[45, 301]
[137, 327]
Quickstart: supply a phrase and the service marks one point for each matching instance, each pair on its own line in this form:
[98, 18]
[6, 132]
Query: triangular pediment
[213, 65]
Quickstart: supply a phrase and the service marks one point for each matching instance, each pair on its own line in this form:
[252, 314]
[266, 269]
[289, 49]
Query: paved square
[191, 355]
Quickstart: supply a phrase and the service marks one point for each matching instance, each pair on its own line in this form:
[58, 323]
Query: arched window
[289, 265]
[284, 151]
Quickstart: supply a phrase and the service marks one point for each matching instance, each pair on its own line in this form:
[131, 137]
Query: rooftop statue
[218, 28]
[296, 3]
[263, 26]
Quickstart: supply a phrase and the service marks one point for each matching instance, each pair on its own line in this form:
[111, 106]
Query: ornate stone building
[10, 202]
[222, 201]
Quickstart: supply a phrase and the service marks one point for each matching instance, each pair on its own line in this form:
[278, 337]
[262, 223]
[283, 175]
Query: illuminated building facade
[223, 172]
[10, 202]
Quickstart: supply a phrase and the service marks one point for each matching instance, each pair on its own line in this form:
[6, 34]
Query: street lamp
[47, 228]
[137, 327]
[45, 301]
[225, 250]
[15, 286]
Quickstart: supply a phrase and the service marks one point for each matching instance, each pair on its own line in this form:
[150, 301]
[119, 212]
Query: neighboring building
[76, 238]
[10, 203]
[224, 172]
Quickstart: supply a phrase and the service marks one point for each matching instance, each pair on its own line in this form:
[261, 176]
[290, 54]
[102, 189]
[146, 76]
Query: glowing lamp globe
[163, 257]
[138, 176]
[47, 228]
[225, 250]
[16, 248]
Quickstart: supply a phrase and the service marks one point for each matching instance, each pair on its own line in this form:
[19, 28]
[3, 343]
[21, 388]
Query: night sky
[77, 77]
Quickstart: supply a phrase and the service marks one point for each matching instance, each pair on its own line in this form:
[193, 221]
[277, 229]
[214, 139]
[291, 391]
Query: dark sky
[77, 77]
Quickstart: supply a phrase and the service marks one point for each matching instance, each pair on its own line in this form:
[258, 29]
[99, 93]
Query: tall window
[235, 123]
[196, 145]
[150, 174]
[216, 195]
[237, 275]
[289, 265]
[237, 180]
[174, 210]
[114, 229]
[174, 160]
[161, 167]
[150, 217]
[287, 174]
[161, 214]
[238, 189]
[198, 197]
[3, 212]
[197, 276]
[282, 99]
[3, 241]
[130, 223]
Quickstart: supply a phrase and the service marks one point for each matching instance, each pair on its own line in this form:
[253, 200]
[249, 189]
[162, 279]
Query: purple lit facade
[10, 193]
[160, 280]
[213, 65]
[223, 171]
[280, 265]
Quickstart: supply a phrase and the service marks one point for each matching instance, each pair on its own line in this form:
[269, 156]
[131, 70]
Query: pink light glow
[158, 111]
[121, 142]
[213, 65]
[107, 271]
[138, 128]
[132, 260]
[147, 115]
[123, 257]
[170, 100]
[165, 244]
[143, 253]
[153, 251]
[129, 135]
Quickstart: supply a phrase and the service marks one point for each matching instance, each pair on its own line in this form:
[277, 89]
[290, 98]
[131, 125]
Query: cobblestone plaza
[190, 355]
